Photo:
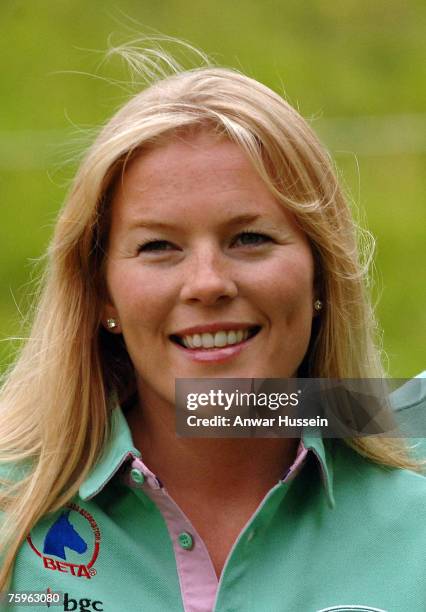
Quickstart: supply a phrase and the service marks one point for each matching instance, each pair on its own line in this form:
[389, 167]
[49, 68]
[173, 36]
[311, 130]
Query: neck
[210, 467]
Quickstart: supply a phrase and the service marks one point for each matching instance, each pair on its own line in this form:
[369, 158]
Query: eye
[252, 238]
[155, 245]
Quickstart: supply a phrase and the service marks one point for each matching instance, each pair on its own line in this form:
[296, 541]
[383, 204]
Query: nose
[208, 278]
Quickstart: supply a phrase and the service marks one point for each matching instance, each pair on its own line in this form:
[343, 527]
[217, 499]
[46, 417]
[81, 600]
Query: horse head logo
[62, 534]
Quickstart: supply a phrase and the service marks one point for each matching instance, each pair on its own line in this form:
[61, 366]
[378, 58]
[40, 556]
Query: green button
[137, 476]
[185, 540]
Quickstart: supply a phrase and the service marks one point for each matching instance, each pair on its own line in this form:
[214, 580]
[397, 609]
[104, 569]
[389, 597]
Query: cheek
[286, 286]
[140, 298]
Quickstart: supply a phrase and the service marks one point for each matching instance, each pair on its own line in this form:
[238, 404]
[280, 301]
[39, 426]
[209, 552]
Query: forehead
[186, 175]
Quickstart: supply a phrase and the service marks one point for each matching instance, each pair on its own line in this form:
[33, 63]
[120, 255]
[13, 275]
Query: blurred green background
[355, 69]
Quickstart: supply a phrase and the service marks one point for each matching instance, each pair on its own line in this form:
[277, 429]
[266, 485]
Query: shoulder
[381, 510]
[409, 403]
[12, 474]
[391, 497]
[384, 498]
[410, 395]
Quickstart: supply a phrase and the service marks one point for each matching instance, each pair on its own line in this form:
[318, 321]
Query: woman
[205, 236]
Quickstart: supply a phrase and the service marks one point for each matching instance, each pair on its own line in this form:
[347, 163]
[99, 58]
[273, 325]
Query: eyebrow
[233, 222]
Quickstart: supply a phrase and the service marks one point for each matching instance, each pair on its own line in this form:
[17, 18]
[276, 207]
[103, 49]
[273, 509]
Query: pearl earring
[112, 323]
[318, 305]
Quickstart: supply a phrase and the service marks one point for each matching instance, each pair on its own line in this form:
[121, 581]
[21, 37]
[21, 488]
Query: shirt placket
[196, 573]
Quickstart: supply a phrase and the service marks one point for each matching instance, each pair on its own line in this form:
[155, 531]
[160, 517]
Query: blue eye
[154, 245]
[252, 238]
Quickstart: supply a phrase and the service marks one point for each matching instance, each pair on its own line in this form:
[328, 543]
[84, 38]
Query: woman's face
[201, 254]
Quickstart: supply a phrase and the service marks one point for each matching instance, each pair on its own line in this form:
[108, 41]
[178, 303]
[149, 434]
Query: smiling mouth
[210, 341]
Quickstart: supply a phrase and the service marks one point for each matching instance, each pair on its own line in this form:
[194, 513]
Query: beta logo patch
[69, 544]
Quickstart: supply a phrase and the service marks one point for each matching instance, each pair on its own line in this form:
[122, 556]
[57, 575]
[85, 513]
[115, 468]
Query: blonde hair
[55, 413]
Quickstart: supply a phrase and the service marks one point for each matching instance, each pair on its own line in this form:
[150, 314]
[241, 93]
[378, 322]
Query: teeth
[196, 340]
[219, 339]
[207, 340]
[232, 337]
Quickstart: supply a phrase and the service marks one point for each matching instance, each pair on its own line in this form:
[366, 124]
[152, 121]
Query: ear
[318, 288]
[317, 307]
[110, 319]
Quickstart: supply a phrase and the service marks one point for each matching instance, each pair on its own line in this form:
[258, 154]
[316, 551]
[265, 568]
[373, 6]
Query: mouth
[216, 340]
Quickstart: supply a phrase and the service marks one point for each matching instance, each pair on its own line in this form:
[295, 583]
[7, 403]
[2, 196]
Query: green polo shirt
[338, 533]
